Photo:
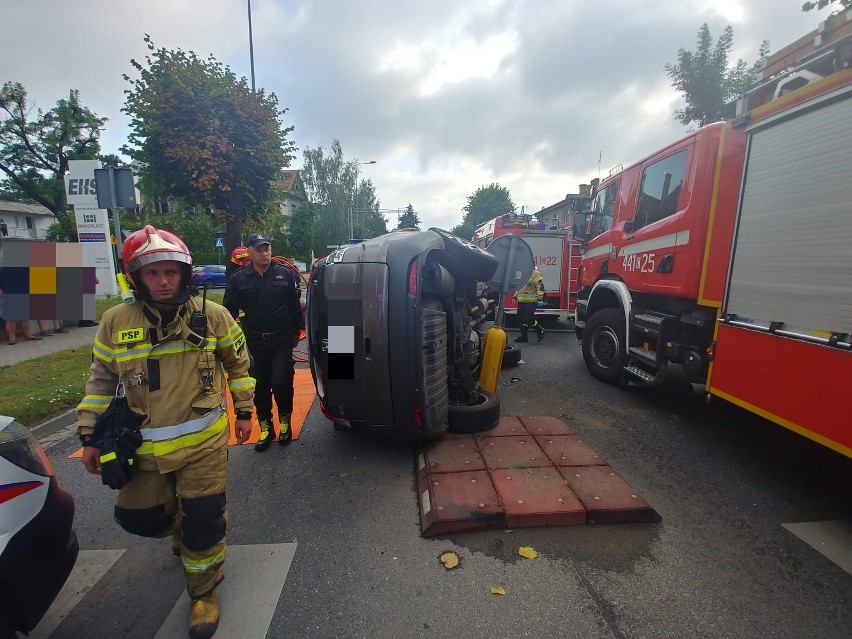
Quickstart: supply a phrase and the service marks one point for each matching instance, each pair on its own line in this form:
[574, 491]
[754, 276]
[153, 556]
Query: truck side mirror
[628, 226]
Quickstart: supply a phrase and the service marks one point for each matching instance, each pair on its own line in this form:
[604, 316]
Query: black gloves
[117, 436]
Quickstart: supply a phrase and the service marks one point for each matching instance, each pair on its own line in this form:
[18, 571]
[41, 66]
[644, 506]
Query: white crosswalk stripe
[90, 567]
[254, 579]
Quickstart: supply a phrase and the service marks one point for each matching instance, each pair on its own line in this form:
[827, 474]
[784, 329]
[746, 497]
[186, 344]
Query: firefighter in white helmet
[166, 351]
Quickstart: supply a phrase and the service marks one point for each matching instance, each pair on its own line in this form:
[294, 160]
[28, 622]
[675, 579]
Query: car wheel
[511, 356]
[461, 256]
[209, 284]
[481, 416]
[604, 347]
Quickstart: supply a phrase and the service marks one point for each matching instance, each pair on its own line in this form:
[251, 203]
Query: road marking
[833, 539]
[254, 578]
[90, 567]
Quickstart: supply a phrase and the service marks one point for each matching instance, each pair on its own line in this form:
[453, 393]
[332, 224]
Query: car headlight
[18, 446]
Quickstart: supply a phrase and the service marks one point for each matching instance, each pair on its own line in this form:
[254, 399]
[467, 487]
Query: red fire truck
[556, 254]
[729, 253]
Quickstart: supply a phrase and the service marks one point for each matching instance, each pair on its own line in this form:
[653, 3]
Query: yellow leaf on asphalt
[450, 560]
[497, 590]
[528, 552]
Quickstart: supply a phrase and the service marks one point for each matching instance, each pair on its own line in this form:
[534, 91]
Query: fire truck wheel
[461, 256]
[604, 349]
[511, 356]
[484, 415]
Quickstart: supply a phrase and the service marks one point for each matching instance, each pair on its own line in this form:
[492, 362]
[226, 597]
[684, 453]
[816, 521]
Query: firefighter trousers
[273, 372]
[526, 314]
[192, 500]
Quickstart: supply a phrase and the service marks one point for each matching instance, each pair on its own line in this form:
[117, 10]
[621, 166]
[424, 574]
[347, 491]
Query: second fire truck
[556, 253]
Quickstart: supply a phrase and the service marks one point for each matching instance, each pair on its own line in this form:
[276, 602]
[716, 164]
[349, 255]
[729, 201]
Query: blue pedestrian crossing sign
[219, 243]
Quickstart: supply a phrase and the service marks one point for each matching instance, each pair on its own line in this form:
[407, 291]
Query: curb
[53, 424]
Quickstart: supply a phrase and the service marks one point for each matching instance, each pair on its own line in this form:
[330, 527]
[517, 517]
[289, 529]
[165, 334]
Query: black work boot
[267, 434]
[285, 433]
[523, 337]
[539, 331]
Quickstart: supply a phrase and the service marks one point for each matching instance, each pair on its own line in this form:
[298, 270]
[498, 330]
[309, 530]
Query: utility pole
[251, 46]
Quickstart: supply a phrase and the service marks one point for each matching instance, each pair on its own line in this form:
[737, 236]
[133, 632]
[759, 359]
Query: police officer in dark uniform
[268, 295]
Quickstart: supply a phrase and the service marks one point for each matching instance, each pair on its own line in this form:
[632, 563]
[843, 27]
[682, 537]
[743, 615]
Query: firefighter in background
[240, 256]
[267, 293]
[166, 352]
[530, 296]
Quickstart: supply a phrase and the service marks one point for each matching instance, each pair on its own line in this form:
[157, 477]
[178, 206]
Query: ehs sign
[80, 187]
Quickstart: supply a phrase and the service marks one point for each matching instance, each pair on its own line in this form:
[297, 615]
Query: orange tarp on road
[303, 396]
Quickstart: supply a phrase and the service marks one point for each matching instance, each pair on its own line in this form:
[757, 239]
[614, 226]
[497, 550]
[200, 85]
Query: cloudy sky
[446, 96]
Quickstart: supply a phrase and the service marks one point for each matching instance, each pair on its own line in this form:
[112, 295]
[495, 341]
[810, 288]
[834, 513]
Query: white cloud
[446, 96]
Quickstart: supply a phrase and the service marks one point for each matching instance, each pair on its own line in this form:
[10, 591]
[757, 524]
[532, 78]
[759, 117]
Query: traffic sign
[219, 242]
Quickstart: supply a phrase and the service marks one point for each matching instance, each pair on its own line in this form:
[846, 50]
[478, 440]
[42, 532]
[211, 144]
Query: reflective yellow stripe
[94, 402]
[103, 352]
[165, 433]
[196, 566]
[240, 383]
[184, 441]
[108, 457]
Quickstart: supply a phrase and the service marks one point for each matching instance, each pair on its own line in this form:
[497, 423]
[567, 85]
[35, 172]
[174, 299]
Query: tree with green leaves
[821, 4]
[201, 134]
[409, 219]
[486, 203]
[303, 225]
[706, 79]
[374, 224]
[35, 149]
[332, 183]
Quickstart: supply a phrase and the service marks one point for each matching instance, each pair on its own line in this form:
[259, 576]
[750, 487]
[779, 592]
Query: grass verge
[39, 388]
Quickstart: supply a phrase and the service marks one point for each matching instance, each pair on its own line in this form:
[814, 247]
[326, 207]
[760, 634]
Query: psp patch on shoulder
[239, 343]
[130, 335]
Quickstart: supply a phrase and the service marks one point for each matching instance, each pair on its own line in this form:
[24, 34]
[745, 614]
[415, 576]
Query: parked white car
[38, 546]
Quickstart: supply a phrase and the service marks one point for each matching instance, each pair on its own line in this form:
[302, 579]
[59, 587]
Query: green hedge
[210, 257]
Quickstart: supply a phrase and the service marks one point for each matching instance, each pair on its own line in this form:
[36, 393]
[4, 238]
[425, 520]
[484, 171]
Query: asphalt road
[720, 564]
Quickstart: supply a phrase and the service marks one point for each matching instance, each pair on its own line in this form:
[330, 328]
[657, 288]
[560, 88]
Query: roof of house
[23, 209]
[287, 181]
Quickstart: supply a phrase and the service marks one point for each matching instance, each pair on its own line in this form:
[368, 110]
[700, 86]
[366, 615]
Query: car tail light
[412, 276]
[334, 418]
[416, 415]
[18, 446]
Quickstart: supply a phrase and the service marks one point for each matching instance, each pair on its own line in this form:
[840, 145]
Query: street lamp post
[251, 46]
[355, 194]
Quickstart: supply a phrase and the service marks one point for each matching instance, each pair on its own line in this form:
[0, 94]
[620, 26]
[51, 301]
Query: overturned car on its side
[394, 327]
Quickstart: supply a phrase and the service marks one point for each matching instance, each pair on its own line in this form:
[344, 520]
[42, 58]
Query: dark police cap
[257, 239]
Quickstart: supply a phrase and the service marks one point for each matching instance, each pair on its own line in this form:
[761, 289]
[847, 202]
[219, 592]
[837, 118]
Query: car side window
[660, 190]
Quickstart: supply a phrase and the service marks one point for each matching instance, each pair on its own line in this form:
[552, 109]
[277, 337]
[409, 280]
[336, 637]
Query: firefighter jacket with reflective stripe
[533, 290]
[172, 376]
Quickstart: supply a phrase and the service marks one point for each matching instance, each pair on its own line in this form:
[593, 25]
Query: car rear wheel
[478, 417]
[511, 356]
[209, 284]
